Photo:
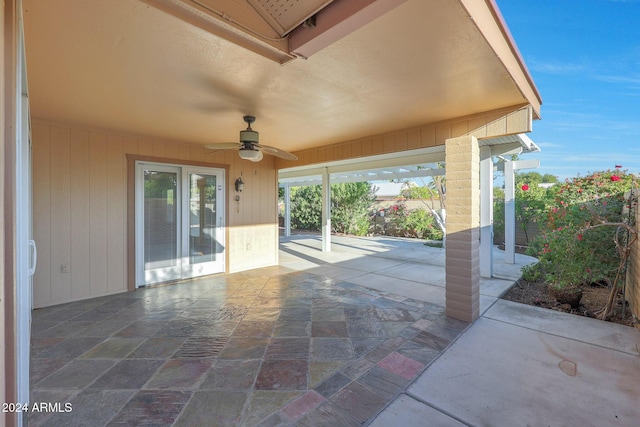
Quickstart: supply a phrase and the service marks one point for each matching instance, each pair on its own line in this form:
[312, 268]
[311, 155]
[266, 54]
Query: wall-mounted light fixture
[239, 185]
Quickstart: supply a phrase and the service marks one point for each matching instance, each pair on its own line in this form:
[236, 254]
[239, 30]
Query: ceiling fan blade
[277, 152]
[223, 145]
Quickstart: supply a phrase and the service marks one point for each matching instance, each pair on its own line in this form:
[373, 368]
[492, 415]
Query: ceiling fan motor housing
[249, 135]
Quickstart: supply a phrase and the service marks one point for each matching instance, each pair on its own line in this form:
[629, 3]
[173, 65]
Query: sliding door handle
[34, 257]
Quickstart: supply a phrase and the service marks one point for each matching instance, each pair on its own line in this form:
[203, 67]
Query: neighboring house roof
[388, 189]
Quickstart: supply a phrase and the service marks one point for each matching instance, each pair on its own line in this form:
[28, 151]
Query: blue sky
[584, 56]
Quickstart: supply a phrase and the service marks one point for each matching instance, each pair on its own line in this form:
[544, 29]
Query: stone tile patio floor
[284, 345]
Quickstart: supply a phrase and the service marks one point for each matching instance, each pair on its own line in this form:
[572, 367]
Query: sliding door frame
[132, 211]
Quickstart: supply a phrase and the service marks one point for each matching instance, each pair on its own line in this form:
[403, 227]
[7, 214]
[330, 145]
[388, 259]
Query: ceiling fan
[248, 147]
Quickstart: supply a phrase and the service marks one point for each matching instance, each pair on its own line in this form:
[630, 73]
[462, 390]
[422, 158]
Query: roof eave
[503, 44]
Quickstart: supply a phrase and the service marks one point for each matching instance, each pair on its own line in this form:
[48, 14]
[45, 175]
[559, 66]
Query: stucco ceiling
[129, 66]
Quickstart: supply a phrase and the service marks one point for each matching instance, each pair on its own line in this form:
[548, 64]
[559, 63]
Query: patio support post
[509, 214]
[462, 263]
[326, 211]
[287, 210]
[510, 205]
[486, 212]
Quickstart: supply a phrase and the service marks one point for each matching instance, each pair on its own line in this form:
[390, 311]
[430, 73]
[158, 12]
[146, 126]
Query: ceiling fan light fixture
[249, 147]
[250, 154]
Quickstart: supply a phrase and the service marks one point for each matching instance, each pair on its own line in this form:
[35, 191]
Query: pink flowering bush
[532, 204]
[572, 248]
[418, 223]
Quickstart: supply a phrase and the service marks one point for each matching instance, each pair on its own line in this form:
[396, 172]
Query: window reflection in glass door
[202, 218]
[160, 219]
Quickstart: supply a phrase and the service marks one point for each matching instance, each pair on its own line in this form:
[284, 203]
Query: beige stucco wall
[80, 208]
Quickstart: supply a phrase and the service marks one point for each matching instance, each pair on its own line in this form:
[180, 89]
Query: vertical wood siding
[80, 214]
[80, 208]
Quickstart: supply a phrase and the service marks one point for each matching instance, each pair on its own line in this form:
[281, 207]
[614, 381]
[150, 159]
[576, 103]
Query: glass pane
[160, 216]
[202, 218]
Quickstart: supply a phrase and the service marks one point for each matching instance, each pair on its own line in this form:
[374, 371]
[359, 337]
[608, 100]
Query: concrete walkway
[527, 366]
[517, 365]
[400, 266]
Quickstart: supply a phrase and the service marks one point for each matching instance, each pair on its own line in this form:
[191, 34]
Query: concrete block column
[462, 265]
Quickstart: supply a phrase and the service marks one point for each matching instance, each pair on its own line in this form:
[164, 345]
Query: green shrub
[350, 204]
[421, 224]
[417, 223]
[573, 247]
[306, 207]
[396, 218]
[532, 273]
[532, 203]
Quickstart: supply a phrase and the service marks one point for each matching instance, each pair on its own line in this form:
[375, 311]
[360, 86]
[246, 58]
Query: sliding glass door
[204, 242]
[161, 227]
[179, 222]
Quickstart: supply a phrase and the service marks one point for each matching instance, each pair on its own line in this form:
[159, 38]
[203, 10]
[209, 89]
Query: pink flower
[615, 178]
[525, 187]
[580, 237]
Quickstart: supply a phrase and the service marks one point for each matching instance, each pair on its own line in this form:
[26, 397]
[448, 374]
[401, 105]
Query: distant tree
[428, 193]
[411, 190]
[534, 178]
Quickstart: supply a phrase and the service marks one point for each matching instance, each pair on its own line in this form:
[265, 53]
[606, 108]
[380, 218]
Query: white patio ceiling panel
[285, 15]
[403, 165]
[428, 169]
